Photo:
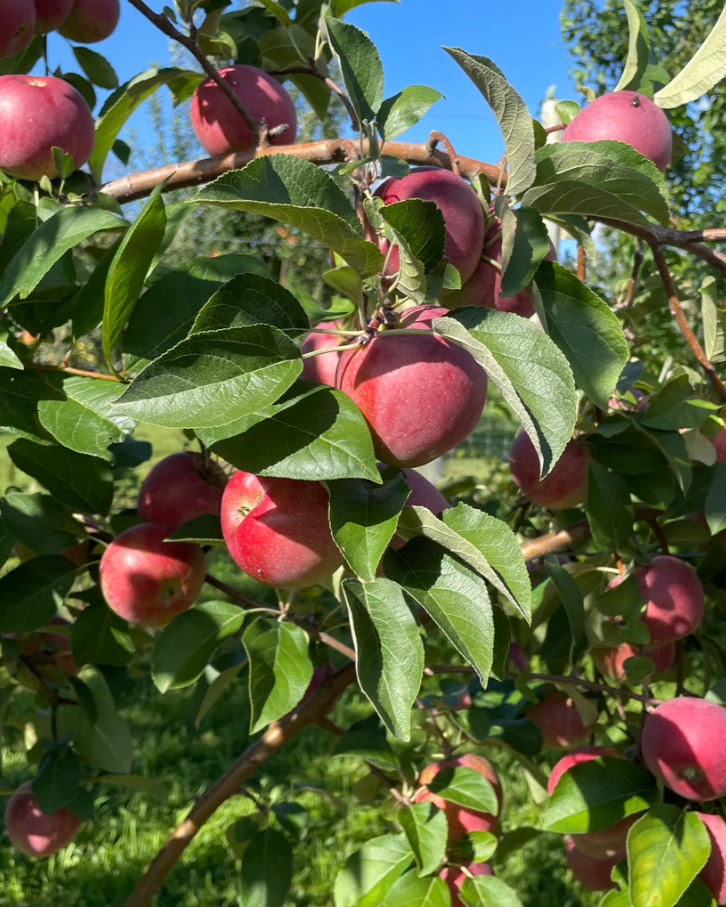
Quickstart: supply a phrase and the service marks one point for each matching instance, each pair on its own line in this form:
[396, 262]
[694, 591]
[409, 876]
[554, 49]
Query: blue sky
[522, 37]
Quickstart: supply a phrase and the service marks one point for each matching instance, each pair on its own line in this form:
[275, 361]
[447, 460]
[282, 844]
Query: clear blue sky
[521, 36]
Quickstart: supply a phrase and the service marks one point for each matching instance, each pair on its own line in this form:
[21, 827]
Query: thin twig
[67, 370]
[685, 328]
[633, 282]
[581, 263]
[437, 137]
[660, 535]
[331, 83]
[164, 25]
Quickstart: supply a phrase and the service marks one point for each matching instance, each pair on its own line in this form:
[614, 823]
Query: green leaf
[713, 316]
[370, 872]
[205, 529]
[163, 316]
[525, 243]
[266, 870]
[667, 849]
[715, 500]
[570, 596]
[703, 71]
[585, 329]
[456, 598]
[222, 268]
[8, 359]
[595, 795]
[638, 49]
[40, 522]
[314, 433]
[128, 270]
[675, 407]
[532, 374]
[96, 67]
[185, 646]
[48, 244]
[608, 509]
[33, 592]
[86, 421]
[20, 393]
[363, 518]
[403, 110]
[466, 787]
[426, 828]
[106, 742]
[125, 100]
[375, 749]
[213, 378]
[302, 196]
[566, 111]
[56, 782]
[482, 541]
[512, 115]
[574, 197]
[280, 669]
[360, 65]
[412, 891]
[613, 167]
[389, 651]
[251, 299]
[420, 230]
[278, 11]
[100, 637]
[488, 891]
[478, 846]
[80, 482]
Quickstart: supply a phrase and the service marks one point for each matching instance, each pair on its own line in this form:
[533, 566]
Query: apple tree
[571, 619]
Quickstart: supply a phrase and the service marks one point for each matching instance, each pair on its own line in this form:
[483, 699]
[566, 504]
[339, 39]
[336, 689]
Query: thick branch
[683, 325]
[277, 734]
[164, 25]
[327, 151]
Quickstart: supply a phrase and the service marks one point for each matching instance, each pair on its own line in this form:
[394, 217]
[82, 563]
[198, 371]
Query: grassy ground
[128, 828]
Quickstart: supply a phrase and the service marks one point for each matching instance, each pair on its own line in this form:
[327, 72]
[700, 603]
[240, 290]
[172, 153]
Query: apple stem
[332, 349]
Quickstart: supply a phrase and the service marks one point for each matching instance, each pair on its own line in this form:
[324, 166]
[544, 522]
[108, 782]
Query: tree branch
[276, 735]
[327, 151]
[331, 83]
[683, 325]
[164, 25]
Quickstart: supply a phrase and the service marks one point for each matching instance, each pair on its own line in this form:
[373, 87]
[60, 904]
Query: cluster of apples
[38, 113]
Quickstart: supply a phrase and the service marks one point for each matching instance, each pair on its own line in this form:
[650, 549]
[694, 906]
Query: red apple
[420, 394]
[34, 833]
[683, 745]
[456, 200]
[219, 127]
[278, 530]
[565, 486]
[591, 873]
[454, 876]
[51, 14]
[641, 402]
[461, 820]
[714, 873]
[423, 492]
[36, 113]
[611, 661]
[18, 26]
[181, 487]
[485, 284]
[149, 581]
[91, 20]
[674, 598]
[625, 116]
[324, 367]
[560, 722]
